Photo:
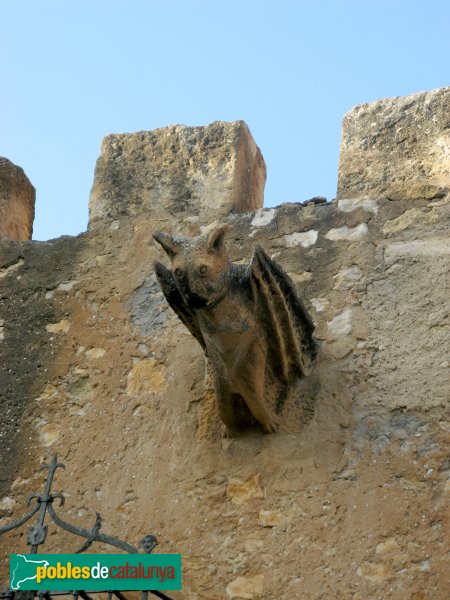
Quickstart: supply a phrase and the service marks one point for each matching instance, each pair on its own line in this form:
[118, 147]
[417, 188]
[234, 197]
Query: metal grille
[37, 534]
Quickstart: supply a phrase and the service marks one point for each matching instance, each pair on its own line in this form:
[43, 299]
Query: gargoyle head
[200, 265]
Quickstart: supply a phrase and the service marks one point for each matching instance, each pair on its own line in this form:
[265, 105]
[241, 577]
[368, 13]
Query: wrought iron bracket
[37, 534]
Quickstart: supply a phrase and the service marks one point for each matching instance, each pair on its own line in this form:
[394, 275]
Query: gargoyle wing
[171, 292]
[292, 349]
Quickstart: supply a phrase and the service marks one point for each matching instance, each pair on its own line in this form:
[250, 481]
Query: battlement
[96, 368]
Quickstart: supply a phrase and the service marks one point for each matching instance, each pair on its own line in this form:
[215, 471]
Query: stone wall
[397, 147]
[17, 197]
[349, 500]
[191, 171]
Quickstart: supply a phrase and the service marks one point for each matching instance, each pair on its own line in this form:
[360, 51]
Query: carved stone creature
[251, 324]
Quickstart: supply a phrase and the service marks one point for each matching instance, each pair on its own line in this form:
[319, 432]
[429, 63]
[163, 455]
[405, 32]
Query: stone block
[146, 376]
[397, 147]
[205, 172]
[250, 586]
[17, 197]
[239, 491]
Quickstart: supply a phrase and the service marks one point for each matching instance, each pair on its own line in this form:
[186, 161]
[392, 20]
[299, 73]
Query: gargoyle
[252, 326]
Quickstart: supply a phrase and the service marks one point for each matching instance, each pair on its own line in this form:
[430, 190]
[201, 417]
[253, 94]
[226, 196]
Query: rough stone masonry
[17, 197]
[352, 504]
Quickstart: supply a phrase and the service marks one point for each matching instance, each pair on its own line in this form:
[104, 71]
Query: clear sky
[73, 71]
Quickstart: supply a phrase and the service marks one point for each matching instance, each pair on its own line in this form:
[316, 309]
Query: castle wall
[348, 500]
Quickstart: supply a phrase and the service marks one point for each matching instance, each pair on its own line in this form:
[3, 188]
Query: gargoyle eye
[179, 273]
[203, 270]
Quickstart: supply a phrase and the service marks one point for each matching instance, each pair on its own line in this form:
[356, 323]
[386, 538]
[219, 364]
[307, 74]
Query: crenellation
[17, 197]
[95, 367]
[398, 148]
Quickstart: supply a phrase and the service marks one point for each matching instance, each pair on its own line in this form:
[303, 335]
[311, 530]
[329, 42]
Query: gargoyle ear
[169, 244]
[216, 239]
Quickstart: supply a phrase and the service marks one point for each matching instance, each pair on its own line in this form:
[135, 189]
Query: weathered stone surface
[247, 587]
[120, 396]
[429, 247]
[402, 222]
[376, 572]
[351, 204]
[397, 147]
[348, 234]
[389, 546]
[17, 197]
[62, 326]
[26, 346]
[95, 353]
[6, 506]
[263, 217]
[347, 277]
[341, 324]
[239, 491]
[50, 433]
[146, 376]
[304, 238]
[206, 172]
[366, 471]
[272, 518]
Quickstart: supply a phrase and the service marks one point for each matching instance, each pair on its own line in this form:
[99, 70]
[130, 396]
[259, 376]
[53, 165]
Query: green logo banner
[95, 572]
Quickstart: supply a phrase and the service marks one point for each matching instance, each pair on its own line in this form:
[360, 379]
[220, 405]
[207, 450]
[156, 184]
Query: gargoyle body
[251, 324]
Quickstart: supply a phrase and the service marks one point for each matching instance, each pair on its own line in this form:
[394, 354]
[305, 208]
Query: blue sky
[71, 72]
